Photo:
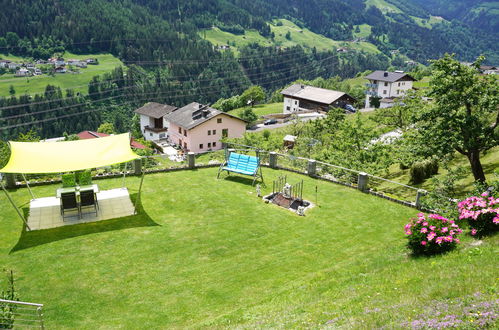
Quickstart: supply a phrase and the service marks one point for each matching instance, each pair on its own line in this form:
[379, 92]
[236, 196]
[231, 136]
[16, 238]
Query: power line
[124, 88]
[132, 80]
[98, 109]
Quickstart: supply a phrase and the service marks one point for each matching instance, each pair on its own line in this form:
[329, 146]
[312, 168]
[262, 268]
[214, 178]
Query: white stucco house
[300, 97]
[153, 125]
[387, 86]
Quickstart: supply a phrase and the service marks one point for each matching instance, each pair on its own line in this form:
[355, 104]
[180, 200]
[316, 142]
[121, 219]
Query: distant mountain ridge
[482, 14]
[408, 28]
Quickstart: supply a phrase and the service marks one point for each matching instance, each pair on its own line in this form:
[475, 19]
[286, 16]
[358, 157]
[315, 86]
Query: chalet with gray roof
[199, 128]
[153, 125]
[300, 97]
[387, 85]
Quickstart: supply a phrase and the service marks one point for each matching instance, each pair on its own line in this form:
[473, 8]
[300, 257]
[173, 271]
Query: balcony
[375, 86]
[156, 129]
[371, 93]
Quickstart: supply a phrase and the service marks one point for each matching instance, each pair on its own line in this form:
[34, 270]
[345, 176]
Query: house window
[209, 144]
[288, 108]
[398, 91]
[225, 132]
[386, 84]
[214, 144]
[384, 92]
[185, 145]
[219, 120]
[296, 102]
[150, 134]
[214, 132]
[209, 132]
[185, 132]
[179, 130]
[399, 84]
[201, 146]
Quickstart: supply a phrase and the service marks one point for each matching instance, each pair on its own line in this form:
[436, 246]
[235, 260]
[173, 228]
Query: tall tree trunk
[476, 165]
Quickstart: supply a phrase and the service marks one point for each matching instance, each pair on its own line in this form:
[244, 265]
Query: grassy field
[207, 253]
[384, 6]
[262, 109]
[77, 82]
[365, 31]
[427, 23]
[299, 36]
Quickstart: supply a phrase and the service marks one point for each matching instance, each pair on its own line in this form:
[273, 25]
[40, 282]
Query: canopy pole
[29, 188]
[15, 206]
[140, 189]
[124, 174]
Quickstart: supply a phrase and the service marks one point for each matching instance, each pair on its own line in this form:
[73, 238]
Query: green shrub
[482, 214]
[85, 178]
[423, 170]
[68, 180]
[431, 234]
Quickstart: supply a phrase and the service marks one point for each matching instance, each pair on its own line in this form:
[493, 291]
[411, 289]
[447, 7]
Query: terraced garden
[208, 253]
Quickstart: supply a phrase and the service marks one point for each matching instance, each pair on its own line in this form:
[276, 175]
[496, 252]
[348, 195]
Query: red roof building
[85, 135]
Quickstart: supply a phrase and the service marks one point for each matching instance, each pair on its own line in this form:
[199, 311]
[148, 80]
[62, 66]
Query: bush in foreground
[482, 214]
[431, 234]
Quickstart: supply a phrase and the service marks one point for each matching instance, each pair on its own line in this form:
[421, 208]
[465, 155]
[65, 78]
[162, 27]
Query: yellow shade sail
[58, 157]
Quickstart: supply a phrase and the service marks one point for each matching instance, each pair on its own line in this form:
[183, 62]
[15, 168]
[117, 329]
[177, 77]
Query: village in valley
[51, 66]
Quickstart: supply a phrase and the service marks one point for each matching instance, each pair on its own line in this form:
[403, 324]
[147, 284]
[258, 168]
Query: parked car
[270, 122]
[350, 108]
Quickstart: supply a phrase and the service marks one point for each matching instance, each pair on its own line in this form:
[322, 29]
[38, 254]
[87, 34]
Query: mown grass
[365, 31]
[261, 109]
[299, 36]
[77, 82]
[384, 6]
[208, 253]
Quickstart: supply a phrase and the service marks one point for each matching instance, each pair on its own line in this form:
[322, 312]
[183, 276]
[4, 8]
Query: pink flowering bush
[482, 214]
[431, 234]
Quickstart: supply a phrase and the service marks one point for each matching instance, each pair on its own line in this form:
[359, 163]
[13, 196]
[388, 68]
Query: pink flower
[408, 232]
[431, 236]
[432, 228]
[425, 223]
[473, 232]
[439, 240]
[424, 230]
[444, 230]
[485, 194]
[423, 243]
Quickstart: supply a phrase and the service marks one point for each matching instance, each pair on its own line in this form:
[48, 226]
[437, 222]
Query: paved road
[261, 127]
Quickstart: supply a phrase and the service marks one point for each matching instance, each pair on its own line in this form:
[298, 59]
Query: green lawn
[384, 6]
[207, 253]
[299, 36]
[423, 83]
[77, 82]
[365, 31]
[428, 23]
[262, 109]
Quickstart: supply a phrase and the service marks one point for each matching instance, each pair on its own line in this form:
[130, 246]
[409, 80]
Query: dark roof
[388, 76]
[315, 94]
[194, 114]
[155, 110]
[487, 67]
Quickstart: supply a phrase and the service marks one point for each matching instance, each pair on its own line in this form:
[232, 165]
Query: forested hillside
[482, 14]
